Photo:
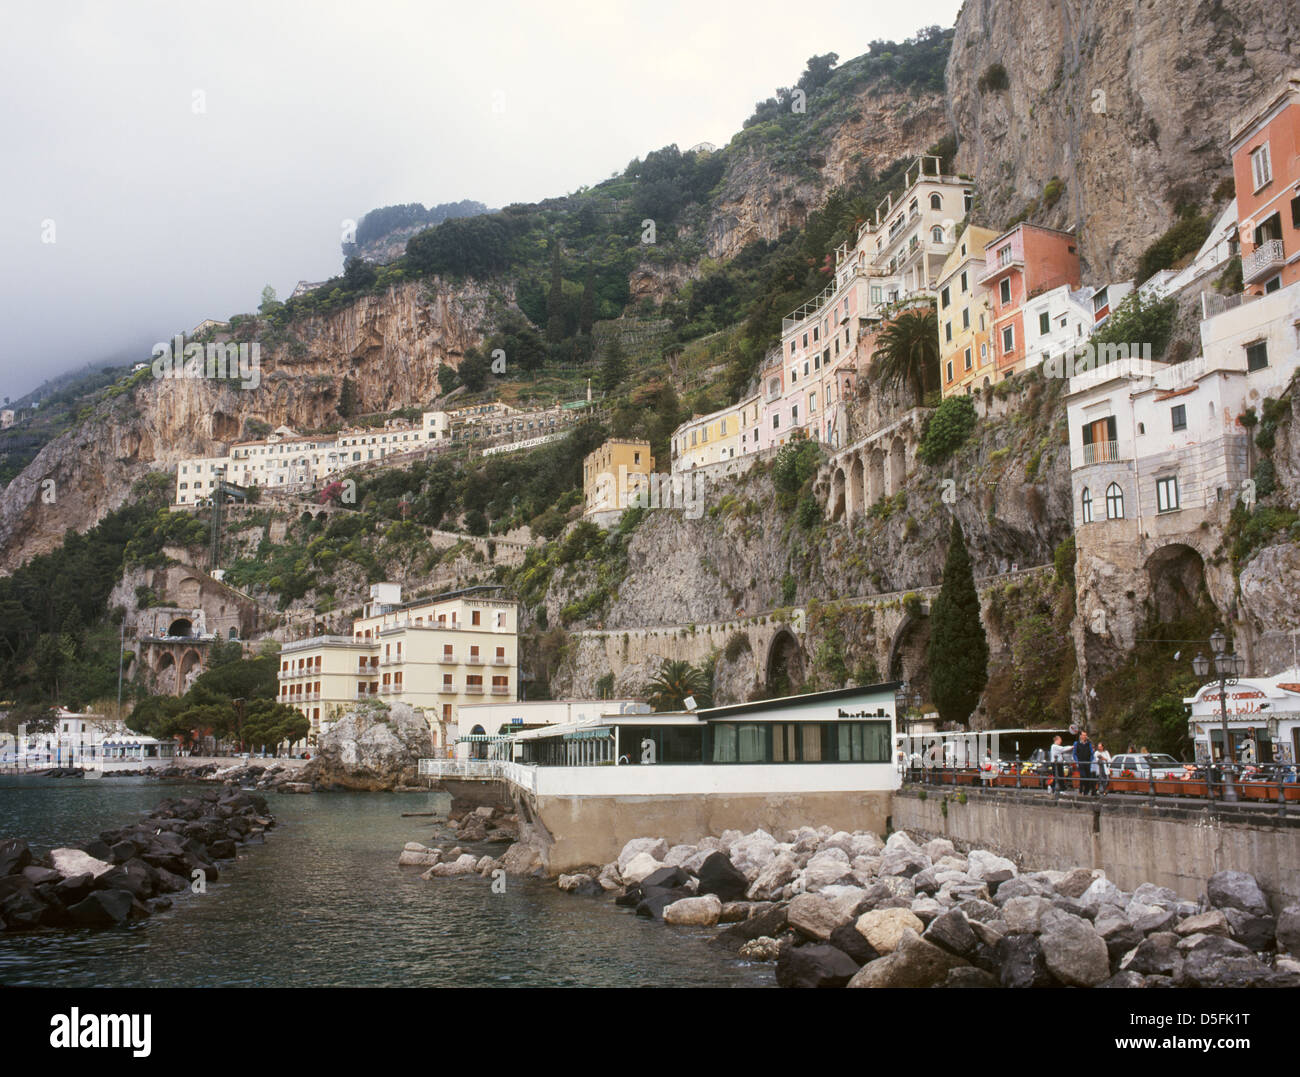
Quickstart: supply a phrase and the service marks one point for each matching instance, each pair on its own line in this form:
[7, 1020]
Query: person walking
[1057, 758]
[1103, 769]
[1083, 753]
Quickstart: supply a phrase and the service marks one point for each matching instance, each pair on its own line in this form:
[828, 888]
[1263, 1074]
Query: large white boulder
[70, 862]
[636, 869]
[655, 847]
[753, 852]
[697, 911]
[884, 928]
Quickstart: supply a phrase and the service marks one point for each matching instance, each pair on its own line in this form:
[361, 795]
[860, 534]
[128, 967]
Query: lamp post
[1228, 667]
[910, 700]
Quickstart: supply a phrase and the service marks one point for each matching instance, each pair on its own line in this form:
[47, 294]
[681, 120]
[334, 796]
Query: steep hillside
[1125, 105]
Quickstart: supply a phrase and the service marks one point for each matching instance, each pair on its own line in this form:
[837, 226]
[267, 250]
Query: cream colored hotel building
[434, 653]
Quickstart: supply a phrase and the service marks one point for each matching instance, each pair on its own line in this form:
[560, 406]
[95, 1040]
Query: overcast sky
[181, 156]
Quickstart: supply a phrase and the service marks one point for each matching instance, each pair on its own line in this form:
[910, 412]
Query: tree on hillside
[349, 400]
[958, 652]
[667, 690]
[587, 311]
[907, 352]
[555, 298]
[613, 367]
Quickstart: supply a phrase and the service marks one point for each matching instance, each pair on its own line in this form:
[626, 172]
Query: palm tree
[668, 689]
[907, 352]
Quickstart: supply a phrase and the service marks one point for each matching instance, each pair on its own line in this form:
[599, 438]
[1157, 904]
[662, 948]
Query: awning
[600, 733]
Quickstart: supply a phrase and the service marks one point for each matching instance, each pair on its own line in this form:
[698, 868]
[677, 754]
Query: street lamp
[1228, 666]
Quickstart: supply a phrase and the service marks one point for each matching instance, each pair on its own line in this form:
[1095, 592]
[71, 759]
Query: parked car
[1153, 764]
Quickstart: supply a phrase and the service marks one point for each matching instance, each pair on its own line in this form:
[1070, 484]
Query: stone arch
[181, 626]
[836, 508]
[1176, 577]
[854, 487]
[897, 465]
[189, 591]
[166, 661]
[190, 662]
[784, 669]
[875, 476]
[908, 658]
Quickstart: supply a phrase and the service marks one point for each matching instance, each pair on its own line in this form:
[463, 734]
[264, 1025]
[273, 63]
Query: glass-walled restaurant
[800, 729]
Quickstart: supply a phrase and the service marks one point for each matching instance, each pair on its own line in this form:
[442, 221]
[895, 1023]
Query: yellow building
[615, 472]
[709, 439]
[434, 653]
[965, 315]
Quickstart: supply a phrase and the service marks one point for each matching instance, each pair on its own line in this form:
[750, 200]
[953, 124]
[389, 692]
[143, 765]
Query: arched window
[936, 202]
[1086, 504]
[1114, 502]
[936, 234]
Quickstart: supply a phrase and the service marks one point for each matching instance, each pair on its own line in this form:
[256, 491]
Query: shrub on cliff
[949, 427]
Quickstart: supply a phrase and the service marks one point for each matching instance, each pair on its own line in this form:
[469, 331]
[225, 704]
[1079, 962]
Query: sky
[163, 162]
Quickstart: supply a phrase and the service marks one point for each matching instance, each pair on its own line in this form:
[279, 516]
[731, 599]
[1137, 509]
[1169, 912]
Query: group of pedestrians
[1091, 760]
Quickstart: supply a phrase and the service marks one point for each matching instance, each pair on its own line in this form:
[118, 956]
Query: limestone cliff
[391, 345]
[1126, 103]
[763, 193]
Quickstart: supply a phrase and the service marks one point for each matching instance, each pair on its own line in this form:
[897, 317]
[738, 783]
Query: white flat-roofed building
[589, 786]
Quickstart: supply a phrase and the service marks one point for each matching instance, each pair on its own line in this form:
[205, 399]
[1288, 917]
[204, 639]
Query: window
[964, 288]
[1114, 502]
[1178, 415]
[947, 332]
[1085, 503]
[776, 422]
[1004, 255]
[1261, 167]
[636, 459]
[1004, 291]
[965, 317]
[1167, 494]
[936, 234]
[794, 415]
[968, 359]
[1008, 340]
[950, 370]
[1044, 323]
[1257, 355]
[936, 202]
[474, 615]
[944, 299]
[812, 403]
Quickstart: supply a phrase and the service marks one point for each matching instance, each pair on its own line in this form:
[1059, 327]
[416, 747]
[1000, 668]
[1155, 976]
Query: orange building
[1019, 265]
[1264, 142]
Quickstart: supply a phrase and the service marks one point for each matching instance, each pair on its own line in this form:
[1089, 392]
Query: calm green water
[323, 903]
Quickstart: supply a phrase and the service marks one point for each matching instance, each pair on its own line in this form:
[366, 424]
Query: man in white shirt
[1057, 758]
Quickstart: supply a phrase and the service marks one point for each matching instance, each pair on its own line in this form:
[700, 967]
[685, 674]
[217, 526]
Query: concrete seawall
[1134, 843]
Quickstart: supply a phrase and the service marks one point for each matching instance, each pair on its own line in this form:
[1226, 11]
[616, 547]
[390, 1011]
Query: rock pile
[481, 825]
[835, 909]
[127, 873]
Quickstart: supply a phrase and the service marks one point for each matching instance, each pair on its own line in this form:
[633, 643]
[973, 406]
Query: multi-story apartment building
[1019, 266]
[434, 654]
[898, 255]
[714, 438]
[1058, 322]
[614, 473]
[965, 315]
[1264, 142]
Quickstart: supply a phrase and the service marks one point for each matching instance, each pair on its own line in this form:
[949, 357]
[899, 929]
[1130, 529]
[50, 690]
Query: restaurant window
[739, 743]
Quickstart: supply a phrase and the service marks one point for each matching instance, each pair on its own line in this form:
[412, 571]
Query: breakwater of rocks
[467, 825]
[131, 872]
[835, 909]
[275, 776]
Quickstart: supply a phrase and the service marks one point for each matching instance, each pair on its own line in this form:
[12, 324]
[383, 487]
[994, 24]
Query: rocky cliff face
[391, 346]
[1127, 103]
[760, 199]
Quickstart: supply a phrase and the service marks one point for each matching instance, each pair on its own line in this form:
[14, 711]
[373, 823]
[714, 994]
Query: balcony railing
[500, 689]
[1100, 452]
[474, 660]
[474, 689]
[1267, 258]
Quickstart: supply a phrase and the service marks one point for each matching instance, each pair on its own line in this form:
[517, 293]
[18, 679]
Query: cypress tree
[959, 651]
[555, 300]
[587, 311]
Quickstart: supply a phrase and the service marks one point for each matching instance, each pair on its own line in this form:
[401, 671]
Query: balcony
[997, 269]
[474, 660]
[474, 689]
[500, 662]
[1100, 452]
[1263, 261]
[500, 689]
[448, 660]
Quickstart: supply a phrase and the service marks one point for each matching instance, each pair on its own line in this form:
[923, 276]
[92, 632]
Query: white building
[1220, 247]
[91, 742]
[1263, 719]
[1155, 444]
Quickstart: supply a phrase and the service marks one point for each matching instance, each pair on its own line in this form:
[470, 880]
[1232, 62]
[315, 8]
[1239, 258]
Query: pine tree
[555, 300]
[959, 651]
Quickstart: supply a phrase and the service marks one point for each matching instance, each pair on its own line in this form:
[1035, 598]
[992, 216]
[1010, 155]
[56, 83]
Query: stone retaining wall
[1134, 843]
